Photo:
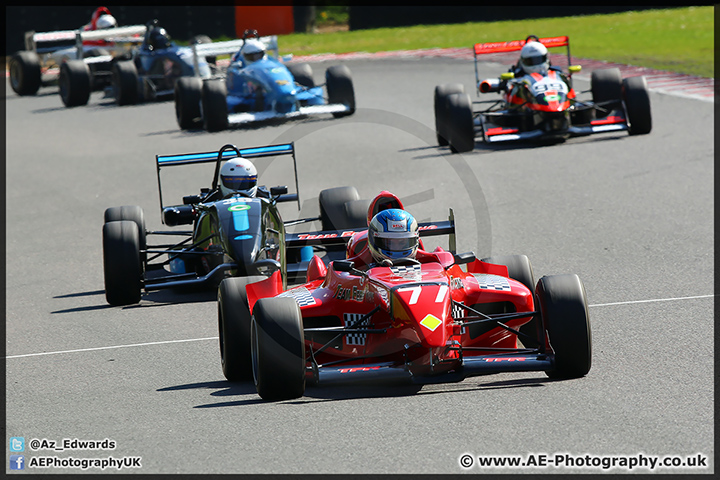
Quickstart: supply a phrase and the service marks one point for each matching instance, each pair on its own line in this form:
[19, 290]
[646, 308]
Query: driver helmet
[393, 235]
[534, 58]
[252, 50]
[158, 38]
[106, 21]
[238, 175]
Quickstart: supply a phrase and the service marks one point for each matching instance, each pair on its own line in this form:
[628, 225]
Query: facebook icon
[17, 462]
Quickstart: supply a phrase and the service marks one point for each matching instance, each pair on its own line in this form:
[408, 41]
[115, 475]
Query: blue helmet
[393, 235]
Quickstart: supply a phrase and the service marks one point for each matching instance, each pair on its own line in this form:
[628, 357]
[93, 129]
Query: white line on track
[215, 338]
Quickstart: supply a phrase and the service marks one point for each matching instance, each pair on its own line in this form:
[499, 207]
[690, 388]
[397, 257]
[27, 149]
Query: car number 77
[416, 293]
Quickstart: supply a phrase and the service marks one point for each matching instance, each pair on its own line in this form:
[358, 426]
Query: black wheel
[278, 349]
[333, 211]
[121, 262]
[460, 129]
[75, 83]
[125, 83]
[606, 86]
[520, 269]
[637, 103]
[188, 95]
[340, 88]
[564, 310]
[302, 73]
[214, 105]
[234, 327]
[25, 73]
[440, 107]
[134, 214]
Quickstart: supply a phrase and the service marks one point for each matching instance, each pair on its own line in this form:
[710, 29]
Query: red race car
[539, 101]
[441, 317]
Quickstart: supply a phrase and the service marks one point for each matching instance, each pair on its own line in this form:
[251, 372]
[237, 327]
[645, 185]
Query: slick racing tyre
[302, 73]
[121, 262]
[460, 129]
[278, 349]
[339, 210]
[25, 73]
[75, 83]
[125, 83]
[214, 105]
[340, 88]
[135, 214]
[520, 269]
[234, 327]
[563, 306]
[637, 103]
[440, 107]
[606, 87]
[188, 95]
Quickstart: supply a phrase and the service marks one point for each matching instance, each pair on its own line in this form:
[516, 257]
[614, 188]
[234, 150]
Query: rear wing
[516, 45]
[48, 42]
[229, 47]
[131, 35]
[338, 237]
[162, 161]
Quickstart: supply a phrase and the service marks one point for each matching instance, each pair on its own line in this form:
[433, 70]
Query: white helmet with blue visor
[238, 175]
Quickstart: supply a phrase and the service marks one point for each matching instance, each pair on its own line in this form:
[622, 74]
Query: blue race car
[256, 86]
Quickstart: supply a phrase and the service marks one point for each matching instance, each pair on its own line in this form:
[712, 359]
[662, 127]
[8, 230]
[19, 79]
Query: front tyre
[75, 83]
[121, 262]
[188, 95]
[460, 129]
[340, 88]
[125, 83]
[214, 105]
[234, 327]
[278, 349]
[637, 103]
[564, 310]
[440, 108]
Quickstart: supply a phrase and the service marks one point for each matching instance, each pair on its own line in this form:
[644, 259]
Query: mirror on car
[279, 190]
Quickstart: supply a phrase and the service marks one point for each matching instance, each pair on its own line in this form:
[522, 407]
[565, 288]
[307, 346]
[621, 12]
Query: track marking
[215, 338]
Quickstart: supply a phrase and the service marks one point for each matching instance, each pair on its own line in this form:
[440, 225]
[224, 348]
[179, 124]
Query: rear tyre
[333, 210]
[234, 327]
[302, 73]
[564, 309]
[340, 88]
[606, 86]
[135, 214]
[75, 83]
[214, 105]
[121, 262]
[520, 269]
[125, 83]
[460, 129]
[440, 107]
[637, 103]
[25, 73]
[278, 349]
[188, 95]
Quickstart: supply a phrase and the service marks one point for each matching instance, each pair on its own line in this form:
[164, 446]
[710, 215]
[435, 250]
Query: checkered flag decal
[301, 295]
[492, 282]
[355, 338]
[411, 272]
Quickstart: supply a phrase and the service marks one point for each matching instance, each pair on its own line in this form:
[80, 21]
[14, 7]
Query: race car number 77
[416, 293]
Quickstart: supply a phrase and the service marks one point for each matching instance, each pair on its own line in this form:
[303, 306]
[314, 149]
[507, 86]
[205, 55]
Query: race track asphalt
[631, 215]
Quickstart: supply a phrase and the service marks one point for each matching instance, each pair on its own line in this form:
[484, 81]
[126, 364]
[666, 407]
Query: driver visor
[239, 182]
[395, 244]
[537, 60]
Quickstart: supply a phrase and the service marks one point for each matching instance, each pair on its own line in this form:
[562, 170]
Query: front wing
[235, 119]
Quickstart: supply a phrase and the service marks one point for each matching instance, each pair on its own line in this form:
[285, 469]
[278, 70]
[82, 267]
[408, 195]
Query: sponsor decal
[281, 82]
[456, 283]
[431, 322]
[354, 293]
[359, 369]
[506, 359]
[239, 208]
[310, 236]
[397, 225]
